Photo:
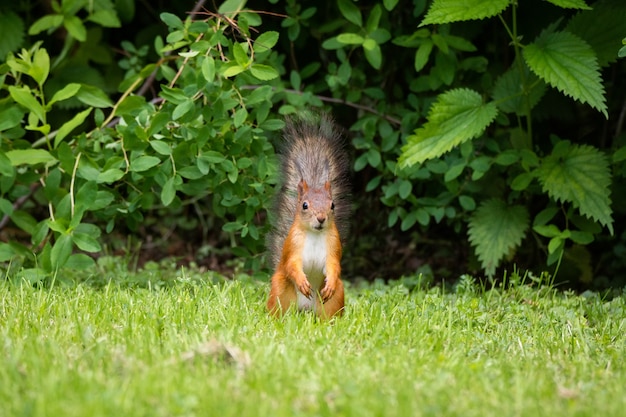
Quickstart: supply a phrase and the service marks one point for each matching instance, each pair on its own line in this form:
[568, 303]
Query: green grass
[193, 347]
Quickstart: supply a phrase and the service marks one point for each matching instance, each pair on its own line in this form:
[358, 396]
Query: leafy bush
[487, 121]
[203, 143]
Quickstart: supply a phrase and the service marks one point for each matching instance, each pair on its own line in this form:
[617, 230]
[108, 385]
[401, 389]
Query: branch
[368, 109]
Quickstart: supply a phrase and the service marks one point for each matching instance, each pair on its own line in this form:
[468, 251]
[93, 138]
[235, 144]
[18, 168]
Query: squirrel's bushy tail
[312, 149]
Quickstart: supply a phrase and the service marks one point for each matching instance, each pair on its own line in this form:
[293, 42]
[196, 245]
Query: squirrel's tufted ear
[302, 187]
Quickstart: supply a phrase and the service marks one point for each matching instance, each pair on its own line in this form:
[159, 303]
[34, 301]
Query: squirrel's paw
[327, 292]
[305, 288]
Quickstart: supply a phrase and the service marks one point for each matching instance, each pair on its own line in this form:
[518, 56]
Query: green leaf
[422, 54]
[10, 117]
[265, 41]
[6, 252]
[495, 229]
[66, 92]
[240, 116]
[457, 116]
[446, 11]
[374, 56]
[548, 230]
[109, 176]
[80, 261]
[350, 38]
[390, 4]
[231, 7]
[161, 147]
[467, 202]
[351, 12]
[374, 19]
[605, 37]
[241, 56]
[208, 69]
[579, 174]
[570, 4]
[404, 189]
[51, 21]
[144, 163]
[93, 96]
[61, 251]
[513, 96]
[263, 72]
[106, 18]
[522, 181]
[12, 32]
[567, 63]
[24, 221]
[172, 21]
[182, 109]
[30, 157]
[232, 70]
[75, 27]
[70, 125]
[86, 242]
[23, 96]
[168, 192]
[6, 168]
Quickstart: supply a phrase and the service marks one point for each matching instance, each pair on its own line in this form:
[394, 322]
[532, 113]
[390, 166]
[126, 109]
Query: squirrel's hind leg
[281, 297]
[333, 306]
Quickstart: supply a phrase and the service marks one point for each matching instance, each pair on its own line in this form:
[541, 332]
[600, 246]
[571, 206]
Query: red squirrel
[312, 214]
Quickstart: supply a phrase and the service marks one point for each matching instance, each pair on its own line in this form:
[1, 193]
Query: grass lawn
[194, 347]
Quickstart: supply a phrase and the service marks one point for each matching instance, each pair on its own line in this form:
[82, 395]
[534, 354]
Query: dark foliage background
[483, 139]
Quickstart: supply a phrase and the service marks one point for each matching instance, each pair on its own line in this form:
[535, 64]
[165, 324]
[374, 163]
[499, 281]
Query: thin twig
[368, 109]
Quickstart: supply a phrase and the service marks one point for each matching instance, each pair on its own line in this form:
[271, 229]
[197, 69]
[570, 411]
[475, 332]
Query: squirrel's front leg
[332, 269]
[333, 273]
[299, 279]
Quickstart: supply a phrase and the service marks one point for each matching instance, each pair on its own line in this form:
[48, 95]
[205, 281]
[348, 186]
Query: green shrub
[481, 121]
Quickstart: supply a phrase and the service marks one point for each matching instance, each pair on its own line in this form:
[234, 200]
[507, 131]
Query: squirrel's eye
[305, 205]
[332, 205]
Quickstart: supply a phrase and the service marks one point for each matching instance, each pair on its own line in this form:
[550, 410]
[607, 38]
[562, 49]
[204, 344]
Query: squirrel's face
[317, 213]
[316, 206]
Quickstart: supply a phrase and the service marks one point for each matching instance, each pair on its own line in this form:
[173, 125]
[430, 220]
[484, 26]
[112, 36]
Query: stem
[517, 46]
[126, 94]
[72, 202]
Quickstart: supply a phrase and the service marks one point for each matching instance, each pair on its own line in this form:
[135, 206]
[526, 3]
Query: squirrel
[312, 215]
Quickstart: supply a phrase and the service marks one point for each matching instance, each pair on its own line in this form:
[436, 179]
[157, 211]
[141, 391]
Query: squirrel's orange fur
[308, 269]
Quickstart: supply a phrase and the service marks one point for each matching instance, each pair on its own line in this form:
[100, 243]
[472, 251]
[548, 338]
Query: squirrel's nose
[321, 219]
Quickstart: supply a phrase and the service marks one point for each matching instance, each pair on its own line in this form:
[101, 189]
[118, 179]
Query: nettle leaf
[13, 32]
[513, 96]
[495, 229]
[605, 37]
[570, 4]
[579, 174]
[457, 116]
[567, 63]
[446, 11]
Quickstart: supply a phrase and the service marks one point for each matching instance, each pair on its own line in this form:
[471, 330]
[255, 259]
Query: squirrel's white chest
[314, 254]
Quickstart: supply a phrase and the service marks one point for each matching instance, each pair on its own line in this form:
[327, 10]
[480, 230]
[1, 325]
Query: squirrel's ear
[302, 187]
[327, 186]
